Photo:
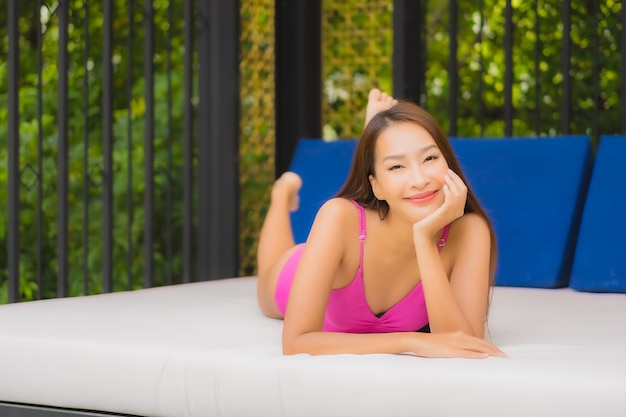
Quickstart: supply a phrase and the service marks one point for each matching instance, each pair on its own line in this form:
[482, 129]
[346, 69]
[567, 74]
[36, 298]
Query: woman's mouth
[422, 197]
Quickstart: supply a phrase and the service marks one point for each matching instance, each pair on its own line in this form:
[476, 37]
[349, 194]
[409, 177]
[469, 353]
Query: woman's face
[409, 171]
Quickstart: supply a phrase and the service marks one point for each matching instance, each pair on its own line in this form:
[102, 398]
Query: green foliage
[358, 41]
[537, 92]
[257, 117]
[38, 150]
[358, 51]
[357, 56]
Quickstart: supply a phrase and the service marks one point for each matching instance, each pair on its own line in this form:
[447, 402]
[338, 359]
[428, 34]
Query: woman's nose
[419, 178]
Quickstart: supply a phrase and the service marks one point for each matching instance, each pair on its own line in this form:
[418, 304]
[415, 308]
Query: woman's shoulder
[339, 206]
[470, 226]
[338, 212]
[336, 217]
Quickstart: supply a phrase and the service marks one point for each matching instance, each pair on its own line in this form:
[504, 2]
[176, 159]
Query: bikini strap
[363, 232]
[444, 237]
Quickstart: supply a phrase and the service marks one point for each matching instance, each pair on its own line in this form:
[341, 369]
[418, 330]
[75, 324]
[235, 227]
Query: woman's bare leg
[377, 101]
[276, 239]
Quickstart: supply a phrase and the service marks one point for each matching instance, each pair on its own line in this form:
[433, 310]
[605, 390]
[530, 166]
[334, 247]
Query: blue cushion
[533, 191]
[324, 167]
[532, 188]
[600, 260]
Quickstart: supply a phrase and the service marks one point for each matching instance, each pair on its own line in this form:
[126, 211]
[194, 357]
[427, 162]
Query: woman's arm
[440, 345]
[457, 302]
[320, 262]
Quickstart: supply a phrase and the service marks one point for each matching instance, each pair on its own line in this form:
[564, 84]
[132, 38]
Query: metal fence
[577, 61]
[482, 68]
[126, 120]
[119, 92]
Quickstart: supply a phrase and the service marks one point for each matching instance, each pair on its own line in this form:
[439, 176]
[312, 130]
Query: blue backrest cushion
[531, 188]
[324, 167]
[533, 191]
[600, 257]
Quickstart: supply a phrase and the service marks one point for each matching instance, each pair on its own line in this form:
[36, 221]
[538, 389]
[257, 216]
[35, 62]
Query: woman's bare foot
[377, 101]
[287, 187]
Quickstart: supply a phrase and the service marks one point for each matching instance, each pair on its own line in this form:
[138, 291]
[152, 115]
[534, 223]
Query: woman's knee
[266, 288]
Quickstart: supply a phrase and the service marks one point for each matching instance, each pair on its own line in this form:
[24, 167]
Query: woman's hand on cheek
[453, 207]
[455, 192]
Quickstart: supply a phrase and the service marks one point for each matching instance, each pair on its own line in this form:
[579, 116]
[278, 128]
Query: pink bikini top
[349, 312]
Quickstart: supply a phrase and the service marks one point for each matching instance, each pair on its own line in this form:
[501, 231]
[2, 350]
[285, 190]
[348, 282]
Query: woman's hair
[357, 187]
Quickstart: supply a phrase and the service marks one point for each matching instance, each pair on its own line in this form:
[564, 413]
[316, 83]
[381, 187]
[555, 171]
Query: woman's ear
[375, 188]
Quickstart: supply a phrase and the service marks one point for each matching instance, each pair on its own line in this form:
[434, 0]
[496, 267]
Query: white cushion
[205, 349]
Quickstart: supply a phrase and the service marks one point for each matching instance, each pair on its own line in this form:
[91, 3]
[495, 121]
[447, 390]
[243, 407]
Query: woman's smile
[422, 198]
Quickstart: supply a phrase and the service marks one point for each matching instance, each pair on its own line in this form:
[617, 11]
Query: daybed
[205, 349]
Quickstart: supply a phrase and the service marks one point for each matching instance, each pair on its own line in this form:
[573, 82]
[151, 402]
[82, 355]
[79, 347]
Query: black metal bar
[623, 69]
[129, 147]
[168, 189]
[86, 181]
[595, 64]
[39, 154]
[13, 249]
[218, 139]
[107, 146]
[148, 203]
[188, 145]
[409, 46]
[62, 151]
[508, 71]
[298, 76]
[481, 80]
[538, 55]
[565, 67]
[453, 70]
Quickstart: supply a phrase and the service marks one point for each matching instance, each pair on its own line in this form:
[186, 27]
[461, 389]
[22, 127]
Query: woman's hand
[453, 207]
[452, 345]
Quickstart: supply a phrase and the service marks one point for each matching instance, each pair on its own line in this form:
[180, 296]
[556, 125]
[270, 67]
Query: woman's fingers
[458, 345]
[455, 192]
[482, 347]
[453, 207]
[456, 184]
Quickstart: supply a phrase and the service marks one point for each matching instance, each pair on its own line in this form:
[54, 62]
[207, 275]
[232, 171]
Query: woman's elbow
[288, 349]
[289, 346]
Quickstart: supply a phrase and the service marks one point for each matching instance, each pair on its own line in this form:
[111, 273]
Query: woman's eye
[430, 158]
[394, 167]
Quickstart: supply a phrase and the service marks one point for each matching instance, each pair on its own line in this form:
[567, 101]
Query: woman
[404, 247]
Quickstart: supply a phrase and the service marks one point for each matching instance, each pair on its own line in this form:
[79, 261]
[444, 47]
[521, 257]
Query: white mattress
[204, 349]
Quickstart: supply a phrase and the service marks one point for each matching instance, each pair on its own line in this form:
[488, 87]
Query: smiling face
[409, 171]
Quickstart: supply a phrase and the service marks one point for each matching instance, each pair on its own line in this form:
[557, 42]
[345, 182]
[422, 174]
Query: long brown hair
[357, 187]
